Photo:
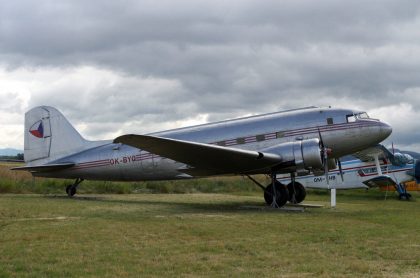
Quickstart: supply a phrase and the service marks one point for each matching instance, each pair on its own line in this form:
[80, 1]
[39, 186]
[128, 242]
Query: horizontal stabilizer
[44, 168]
[380, 181]
[208, 158]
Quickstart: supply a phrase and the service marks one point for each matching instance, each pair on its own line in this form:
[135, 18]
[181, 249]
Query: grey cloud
[10, 101]
[50, 29]
[221, 58]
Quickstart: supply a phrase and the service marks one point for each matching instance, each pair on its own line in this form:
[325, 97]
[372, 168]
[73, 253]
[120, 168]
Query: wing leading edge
[205, 159]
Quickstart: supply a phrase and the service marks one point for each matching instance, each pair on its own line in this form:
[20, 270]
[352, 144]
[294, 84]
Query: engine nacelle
[299, 156]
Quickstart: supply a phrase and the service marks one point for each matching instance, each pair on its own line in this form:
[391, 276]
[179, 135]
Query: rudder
[49, 136]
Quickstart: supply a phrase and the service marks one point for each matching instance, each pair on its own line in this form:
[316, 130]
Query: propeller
[325, 151]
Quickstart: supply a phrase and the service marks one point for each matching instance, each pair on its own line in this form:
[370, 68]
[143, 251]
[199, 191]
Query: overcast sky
[115, 67]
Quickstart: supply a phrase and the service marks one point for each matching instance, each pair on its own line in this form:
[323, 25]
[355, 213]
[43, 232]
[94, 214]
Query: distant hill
[9, 152]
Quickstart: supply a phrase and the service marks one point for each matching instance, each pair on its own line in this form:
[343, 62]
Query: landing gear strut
[276, 194]
[402, 191]
[297, 192]
[72, 188]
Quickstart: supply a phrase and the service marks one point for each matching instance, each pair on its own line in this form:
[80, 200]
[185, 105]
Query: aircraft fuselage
[355, 172]
[340, 130]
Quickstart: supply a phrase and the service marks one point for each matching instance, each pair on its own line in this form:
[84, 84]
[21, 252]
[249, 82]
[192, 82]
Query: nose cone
[386, 130]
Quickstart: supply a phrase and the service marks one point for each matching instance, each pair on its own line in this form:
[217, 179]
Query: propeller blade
[325, 151]
[340, 169]
[326, 165]
[320, 138]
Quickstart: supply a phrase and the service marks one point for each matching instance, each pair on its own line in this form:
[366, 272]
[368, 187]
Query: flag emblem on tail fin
[37, 129]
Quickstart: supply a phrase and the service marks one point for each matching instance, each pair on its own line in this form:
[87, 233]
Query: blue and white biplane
[373, 167]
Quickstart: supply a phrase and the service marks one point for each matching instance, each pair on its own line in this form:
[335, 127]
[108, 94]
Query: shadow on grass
[222, 206]
[78, 197]
[184, 207]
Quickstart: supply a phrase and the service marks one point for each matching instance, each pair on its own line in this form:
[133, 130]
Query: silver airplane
[298, 142]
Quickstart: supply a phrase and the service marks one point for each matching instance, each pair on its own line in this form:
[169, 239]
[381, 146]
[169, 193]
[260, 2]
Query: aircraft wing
[206, 159]
[44, 168]
[380, 181]
[369, 153]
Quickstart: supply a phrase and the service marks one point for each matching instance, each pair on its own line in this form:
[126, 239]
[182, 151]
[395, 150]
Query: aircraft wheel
[404, 196]
[282, 194]
[298, 191]
[70, 190]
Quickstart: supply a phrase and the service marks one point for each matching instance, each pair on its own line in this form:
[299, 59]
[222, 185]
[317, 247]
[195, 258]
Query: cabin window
[351, 118]
[373, 170]
[330, 121]
[240, 141]
[260, 137]
[279, 134]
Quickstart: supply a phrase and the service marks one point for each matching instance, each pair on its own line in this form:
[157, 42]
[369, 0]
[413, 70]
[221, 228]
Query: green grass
[208, 235]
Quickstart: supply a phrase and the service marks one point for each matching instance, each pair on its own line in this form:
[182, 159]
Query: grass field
[22, 182]
[207, 235]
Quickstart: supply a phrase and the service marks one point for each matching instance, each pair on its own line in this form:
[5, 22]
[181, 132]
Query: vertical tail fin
[49, 136]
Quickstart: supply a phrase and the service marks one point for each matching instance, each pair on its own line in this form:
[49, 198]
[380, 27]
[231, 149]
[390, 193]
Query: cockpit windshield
[352, 118]
[362, 115]
[403, 158]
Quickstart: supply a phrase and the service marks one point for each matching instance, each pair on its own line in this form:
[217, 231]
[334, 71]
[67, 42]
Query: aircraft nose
[386, 130]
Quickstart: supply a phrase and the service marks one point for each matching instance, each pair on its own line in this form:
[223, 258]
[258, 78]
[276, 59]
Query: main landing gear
[402, 192]
[277, 194]
[72, 188]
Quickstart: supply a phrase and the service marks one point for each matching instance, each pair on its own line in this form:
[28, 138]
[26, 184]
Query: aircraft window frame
[279, 134]
[330, 121]
[240, 141]
[260, 137]
[410, 159]
[362, 116]
[351, 118]
[374, 170]
[358, 116]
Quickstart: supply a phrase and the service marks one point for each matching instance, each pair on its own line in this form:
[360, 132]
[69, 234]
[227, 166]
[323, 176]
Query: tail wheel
[297, 193]
[71, 190]
[282, 194]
